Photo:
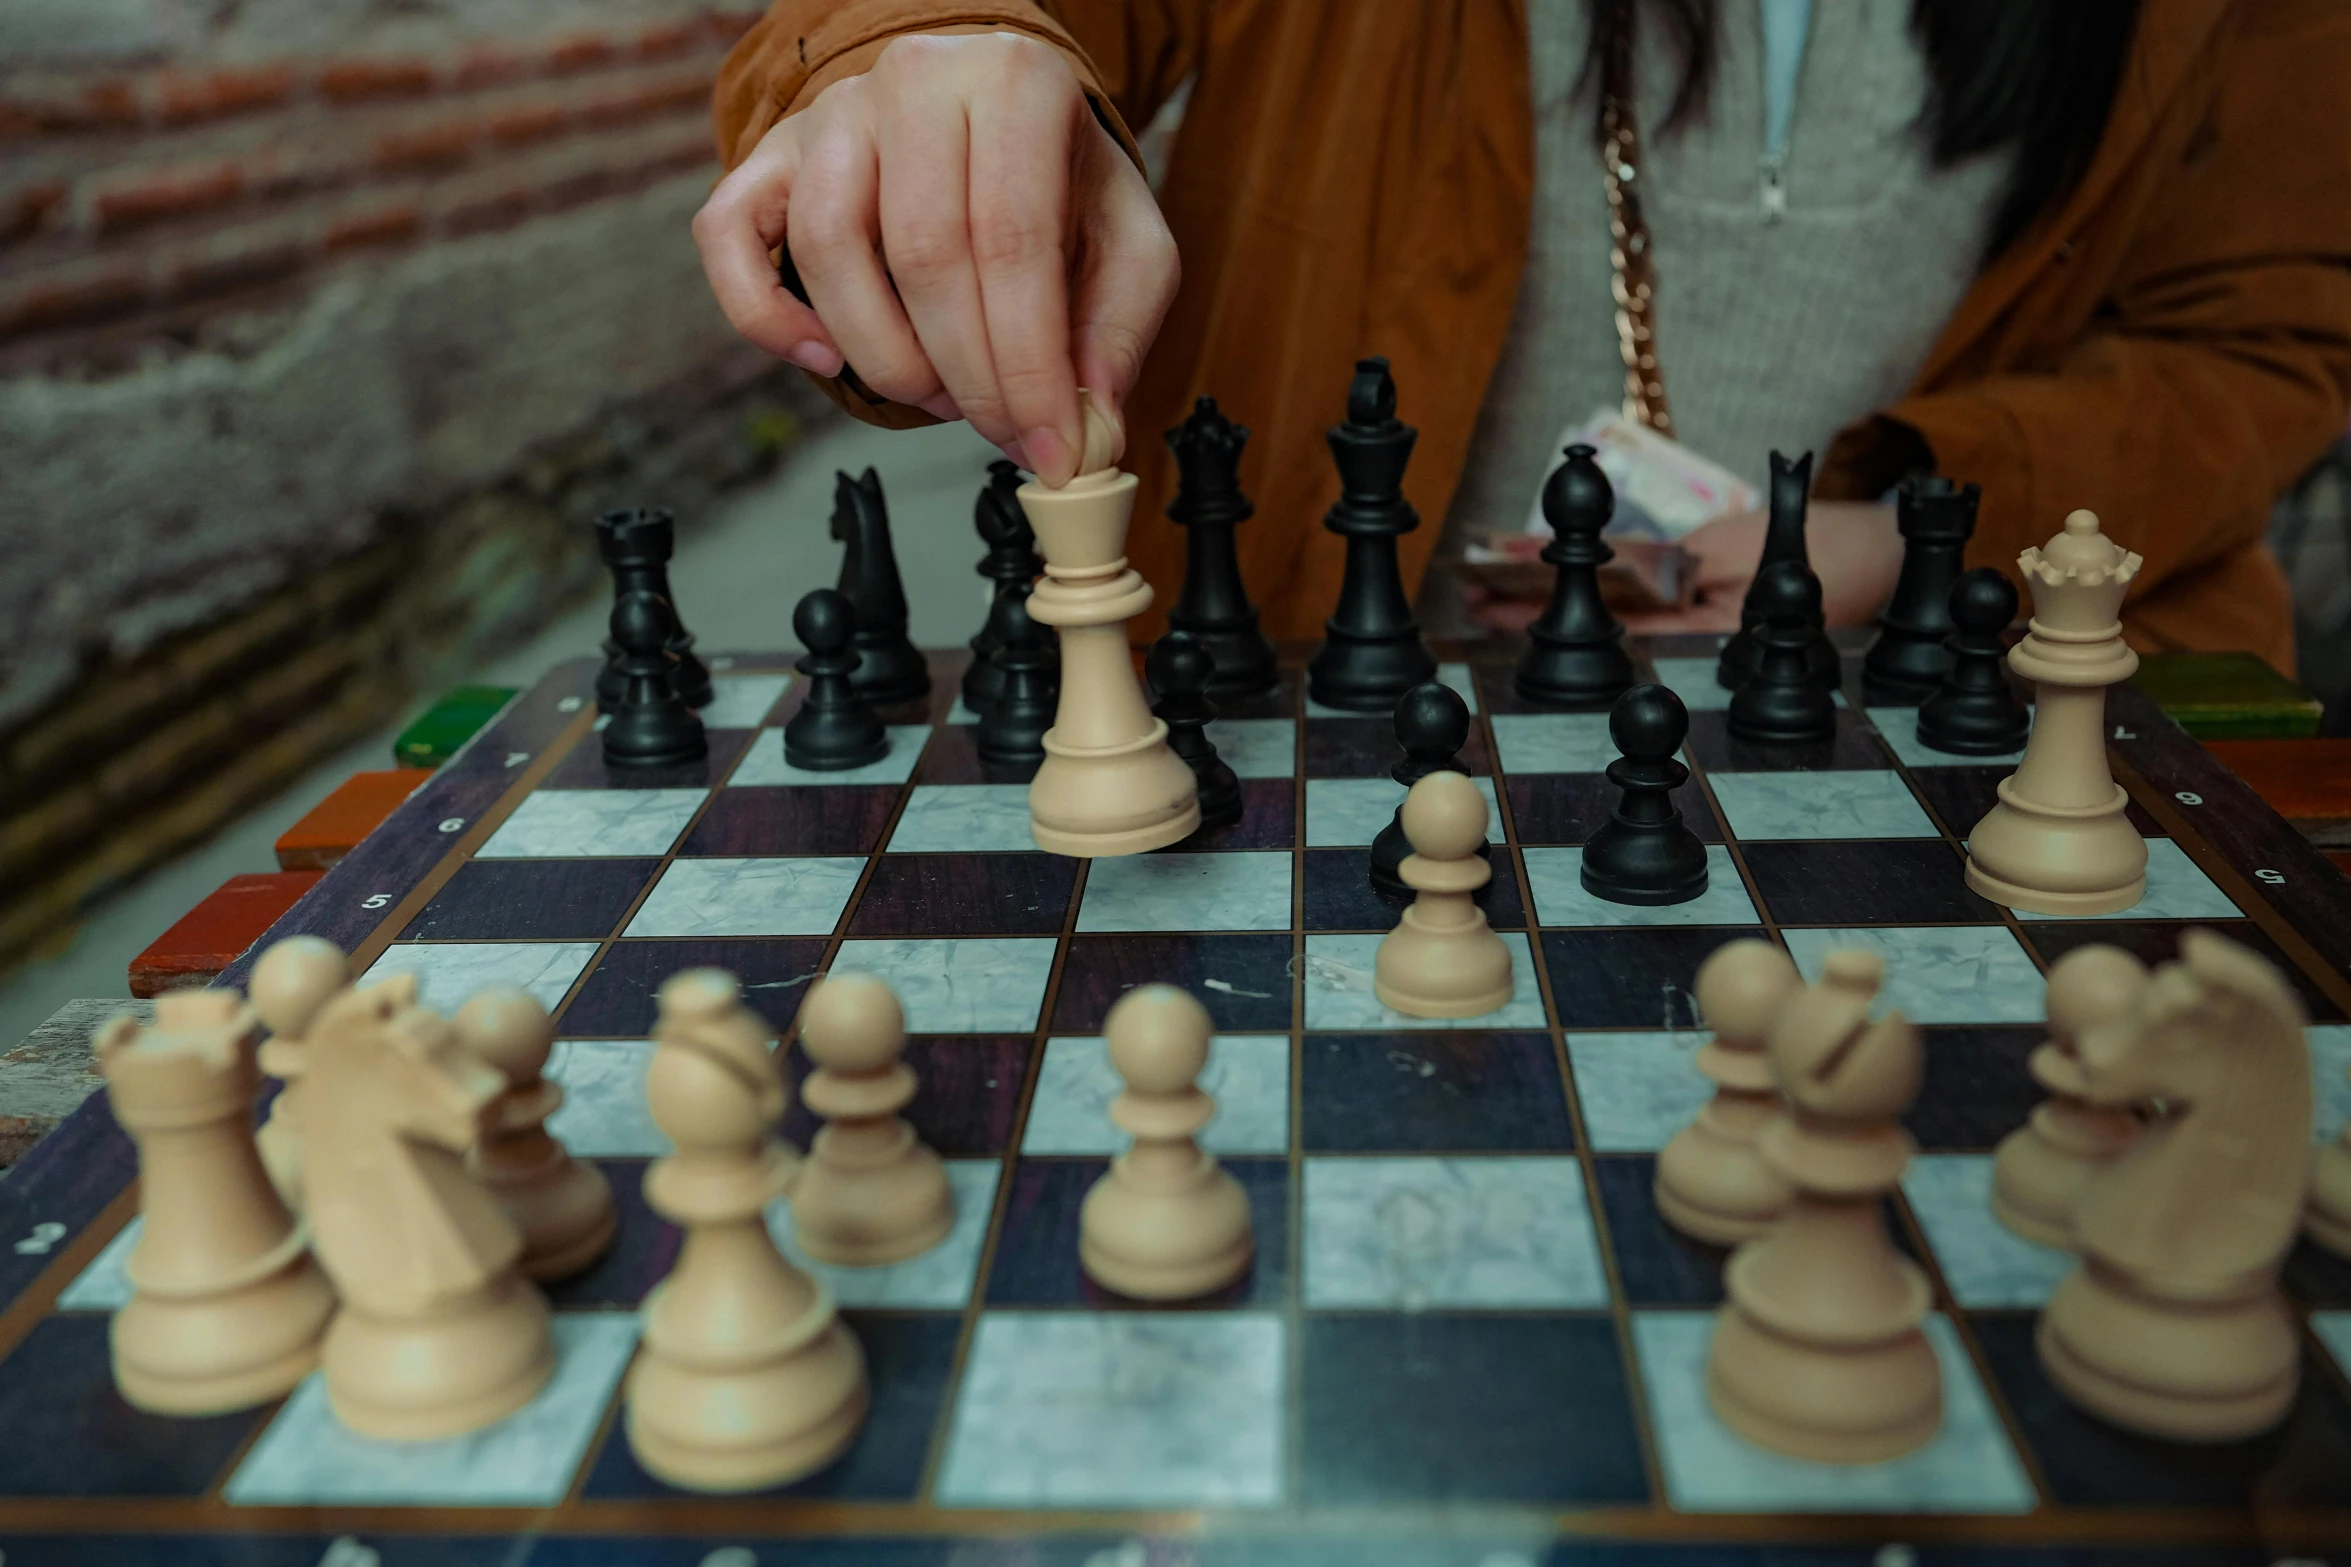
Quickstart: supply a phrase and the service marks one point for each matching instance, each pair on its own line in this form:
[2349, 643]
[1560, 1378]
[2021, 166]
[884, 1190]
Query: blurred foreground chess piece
[869, 1191]
[1712, 1183]
[227, 1309]
[291, 983]
[561, 1205]
[2041, 1169]
[2174, 1326]
[1165, 1222]
[1442, 959]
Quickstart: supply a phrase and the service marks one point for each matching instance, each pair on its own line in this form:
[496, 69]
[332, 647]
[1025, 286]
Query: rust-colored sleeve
[2219, 367]
[1129, 55]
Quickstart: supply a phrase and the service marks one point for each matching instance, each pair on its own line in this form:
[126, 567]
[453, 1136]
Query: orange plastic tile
[216, 932]
[337, 823]
[2300, 779]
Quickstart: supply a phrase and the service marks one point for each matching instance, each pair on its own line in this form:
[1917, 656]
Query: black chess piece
[1432, 725]
[1178, 668]
[636, 542]
[1975, 711]
[1208, 504]
[1936, 518]
[835, 728]
[1575, 652]
[1645, 853]
[1372, 653]
[1011, 564]
[1783, 540]
[650, 724]
[1784, 701]
[1011, 732]
[889, 668]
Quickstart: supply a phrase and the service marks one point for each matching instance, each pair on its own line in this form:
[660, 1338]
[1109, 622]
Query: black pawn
[1644, 853]
[1011, 564]
[1372, 654]
[1208, 504]
[636, 542]
[1011, 732]
[889, 668]
[1783, 540]
[1178, 668]
[835, 728]
[1935, 517]
[1432, 725]
[1975, 711]
[649, 725]
[1784, 702]
[1575, 652]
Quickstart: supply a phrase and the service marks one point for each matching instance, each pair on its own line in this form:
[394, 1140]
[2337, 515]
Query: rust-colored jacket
[2170, 347]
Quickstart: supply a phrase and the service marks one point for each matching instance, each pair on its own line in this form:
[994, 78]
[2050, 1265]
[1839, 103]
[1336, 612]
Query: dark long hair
[2036, 76]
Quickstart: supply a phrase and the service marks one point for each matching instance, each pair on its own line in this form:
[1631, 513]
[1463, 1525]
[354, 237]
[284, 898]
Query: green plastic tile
[440, 729]
[2228, 696]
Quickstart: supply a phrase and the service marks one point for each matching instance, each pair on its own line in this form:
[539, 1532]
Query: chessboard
[1468, 1338]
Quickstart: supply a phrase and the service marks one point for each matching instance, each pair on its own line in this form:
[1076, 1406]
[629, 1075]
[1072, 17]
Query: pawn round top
[294, 979]
[1742, 986]
[1179, 664]
[824, 620]
[640, 623]
[508, 1029]
[1578, 498]
[1648, 723]
[1445, 817]
[1103, 437]
[2091, 986]
[852, 1023]
[1983, 602]
[1852, 969]
[698, 993]
[1432, 720]
[1786, 593]
[1158, 1039]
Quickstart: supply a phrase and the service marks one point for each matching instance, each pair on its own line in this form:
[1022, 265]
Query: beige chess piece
[869, 1192]
[1109, 784]
[440, 1334]
[227, 1309]
[2174, 1326]
[1819, 1353]
[1443, 959]
[2329, 1219]
[2059, 841]
[746, 1377]
[292, 981]
[562, 1205]
[1165, 1222]
[1711, 1182]
[2041, 1169]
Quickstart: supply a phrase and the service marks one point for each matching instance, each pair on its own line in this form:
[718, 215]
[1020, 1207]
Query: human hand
[970, 239]
[1855, 551]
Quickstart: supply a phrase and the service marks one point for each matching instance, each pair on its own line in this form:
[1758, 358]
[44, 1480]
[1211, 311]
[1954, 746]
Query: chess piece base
[1098, 804]
[1557, 673]
[230, 1349]
[1716, 1190]
[1457, 972]
[866, 1218]
[2211, 1372]
[414, 1379]
[734, 1427]
[2057, 859]
[567, 1220]
[1176, 1244]
[1836, 1404]
[1660, 861]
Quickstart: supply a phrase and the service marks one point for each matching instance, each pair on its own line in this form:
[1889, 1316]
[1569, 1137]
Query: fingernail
[816, 358]
[1049, 455]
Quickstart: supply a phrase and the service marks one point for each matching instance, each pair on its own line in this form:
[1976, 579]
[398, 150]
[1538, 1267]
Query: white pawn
[1711, 1181]
[746, 1377]
[1165, 1222]
[562, 1205]
[2041, 1169]
[869, 1192]
[291, 984]
[1442, 959]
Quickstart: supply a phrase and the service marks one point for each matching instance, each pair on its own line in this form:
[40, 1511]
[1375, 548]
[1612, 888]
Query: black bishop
[1575, 652]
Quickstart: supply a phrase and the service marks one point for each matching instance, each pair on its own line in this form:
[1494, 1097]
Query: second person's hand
[971, 240]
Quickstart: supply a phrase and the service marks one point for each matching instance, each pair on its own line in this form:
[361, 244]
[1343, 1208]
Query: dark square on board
[1854, 746]
[1340, 896]
[1977, 1088]
[644, 1246]
[1570, 807]
[1269, 820]
[953, 757]
[584, 767]
[1367, 748]
[617, 1002]
[1243, 979]
[1894, 881]
[967, 1092]
[1439, 1408]
[1660, 1266]
[532, 900]
[1636, 977]
[2318, 1278]
[799, 819]
[2158, 941]
[965, 895]
[1036, 1262]
[1432, 1091]
[908, 1360]
[65, 1431]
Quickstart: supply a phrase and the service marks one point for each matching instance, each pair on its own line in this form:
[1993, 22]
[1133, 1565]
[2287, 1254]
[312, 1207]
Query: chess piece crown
[2078, 581]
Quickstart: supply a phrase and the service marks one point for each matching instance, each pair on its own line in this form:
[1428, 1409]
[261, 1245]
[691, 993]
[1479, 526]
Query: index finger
[737, 231]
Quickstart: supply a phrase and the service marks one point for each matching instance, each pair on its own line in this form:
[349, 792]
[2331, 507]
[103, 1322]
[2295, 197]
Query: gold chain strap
[1631, 263]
